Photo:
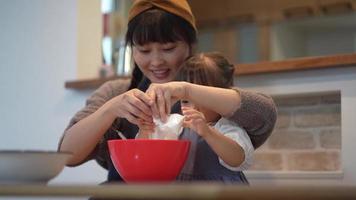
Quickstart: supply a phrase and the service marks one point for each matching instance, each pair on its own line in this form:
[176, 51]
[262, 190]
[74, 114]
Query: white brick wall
[307, 136]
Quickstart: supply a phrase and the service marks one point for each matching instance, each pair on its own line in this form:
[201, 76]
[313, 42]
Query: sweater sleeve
[98, 98]
[257, 114]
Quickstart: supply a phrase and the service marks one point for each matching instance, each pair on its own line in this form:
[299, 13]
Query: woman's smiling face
[160, 62]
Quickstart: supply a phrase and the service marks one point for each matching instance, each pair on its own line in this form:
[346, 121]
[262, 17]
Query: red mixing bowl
[148, 160]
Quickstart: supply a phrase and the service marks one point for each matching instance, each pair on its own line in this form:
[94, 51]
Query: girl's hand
[164, 96]
[134, 105]
[145, 130]
[195, 120]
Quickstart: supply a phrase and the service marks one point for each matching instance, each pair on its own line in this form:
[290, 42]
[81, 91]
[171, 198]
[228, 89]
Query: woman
[162, 35]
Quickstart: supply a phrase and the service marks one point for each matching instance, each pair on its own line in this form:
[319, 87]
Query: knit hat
[180, 8]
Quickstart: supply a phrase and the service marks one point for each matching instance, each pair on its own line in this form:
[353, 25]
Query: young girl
[220, 149]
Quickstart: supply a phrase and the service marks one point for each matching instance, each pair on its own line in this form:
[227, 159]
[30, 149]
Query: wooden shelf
[298, 64]
[90, 83]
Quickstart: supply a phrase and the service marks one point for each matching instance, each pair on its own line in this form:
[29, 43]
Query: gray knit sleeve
[99, 97]
[257, 114]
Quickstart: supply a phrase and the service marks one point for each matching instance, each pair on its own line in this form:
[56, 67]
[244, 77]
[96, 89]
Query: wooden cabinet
[223, 11]
[282, 29]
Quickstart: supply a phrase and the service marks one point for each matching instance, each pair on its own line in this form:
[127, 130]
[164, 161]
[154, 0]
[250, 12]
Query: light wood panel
[225, 42]
[89, 38]
[264, 41]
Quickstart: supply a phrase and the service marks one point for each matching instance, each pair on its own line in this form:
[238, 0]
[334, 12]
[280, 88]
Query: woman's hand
[134, 105]
[164, 96]
[195, 120]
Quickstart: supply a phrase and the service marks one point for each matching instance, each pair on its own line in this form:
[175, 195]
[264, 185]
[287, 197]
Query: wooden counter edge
[184, 191]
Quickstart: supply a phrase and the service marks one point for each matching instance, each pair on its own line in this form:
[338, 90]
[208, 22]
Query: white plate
[30, 166]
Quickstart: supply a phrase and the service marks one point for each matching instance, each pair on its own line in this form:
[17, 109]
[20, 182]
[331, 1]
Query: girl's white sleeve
[239, 135]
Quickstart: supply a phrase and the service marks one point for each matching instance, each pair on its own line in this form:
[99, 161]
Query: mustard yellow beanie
[178, 7]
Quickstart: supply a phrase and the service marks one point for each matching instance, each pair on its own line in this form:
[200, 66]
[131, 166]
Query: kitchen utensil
[148, 160]
[121, 135]
[18, 166]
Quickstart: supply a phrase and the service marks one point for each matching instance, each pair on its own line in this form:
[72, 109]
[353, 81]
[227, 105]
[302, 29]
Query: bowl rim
[183, 140]
[35, 152]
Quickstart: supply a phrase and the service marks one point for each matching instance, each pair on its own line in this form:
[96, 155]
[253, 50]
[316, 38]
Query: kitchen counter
[181, 191]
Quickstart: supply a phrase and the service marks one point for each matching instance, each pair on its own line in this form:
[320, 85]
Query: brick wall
[307, 136]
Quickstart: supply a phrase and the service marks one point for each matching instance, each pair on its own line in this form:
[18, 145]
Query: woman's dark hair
[156, 25]
[210, 69]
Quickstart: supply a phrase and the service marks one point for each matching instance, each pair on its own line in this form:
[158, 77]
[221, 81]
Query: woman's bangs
[159, 31]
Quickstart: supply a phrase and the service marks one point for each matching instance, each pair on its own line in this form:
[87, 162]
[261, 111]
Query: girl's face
[160, 62]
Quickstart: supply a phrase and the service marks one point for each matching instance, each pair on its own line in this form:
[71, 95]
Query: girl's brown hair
[210, 69]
